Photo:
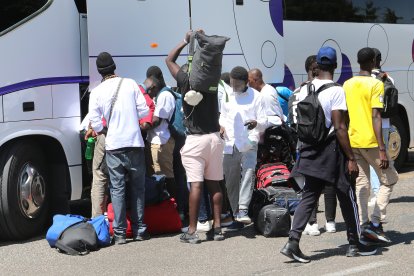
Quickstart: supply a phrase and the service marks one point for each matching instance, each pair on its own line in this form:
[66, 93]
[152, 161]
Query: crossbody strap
[114, 98]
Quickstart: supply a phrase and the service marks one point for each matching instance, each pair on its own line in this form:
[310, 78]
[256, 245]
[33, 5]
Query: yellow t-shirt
[363, 93]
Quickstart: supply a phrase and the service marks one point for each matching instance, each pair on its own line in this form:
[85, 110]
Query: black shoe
[142, 237]
[118, 240]
[190, 238]
[360, 250]
[215, 234]
[292, 250]
[375, 233]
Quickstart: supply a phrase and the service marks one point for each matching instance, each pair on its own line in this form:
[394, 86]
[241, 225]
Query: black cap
[105, 64]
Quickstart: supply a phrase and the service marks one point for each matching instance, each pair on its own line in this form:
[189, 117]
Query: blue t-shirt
[283, 95]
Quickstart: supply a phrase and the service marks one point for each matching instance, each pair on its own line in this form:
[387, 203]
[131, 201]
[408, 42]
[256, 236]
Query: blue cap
[326, 56]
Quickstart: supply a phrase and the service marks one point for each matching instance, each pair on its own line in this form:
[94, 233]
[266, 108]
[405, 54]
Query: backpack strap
[70, 251]
[326, 86]
[191, 51]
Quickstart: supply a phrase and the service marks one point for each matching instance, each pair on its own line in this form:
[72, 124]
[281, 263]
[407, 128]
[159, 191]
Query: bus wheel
[24, 191]
[398, 142]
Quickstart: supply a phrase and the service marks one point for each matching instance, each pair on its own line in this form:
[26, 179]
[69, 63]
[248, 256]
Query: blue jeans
[120, 163]
[375, 183]
[204, 212]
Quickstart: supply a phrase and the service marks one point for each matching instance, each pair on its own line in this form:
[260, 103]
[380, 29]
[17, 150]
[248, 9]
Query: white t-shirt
[241, 108]
[271, 103]
[130, 106]
[164, 109]
[332, 98]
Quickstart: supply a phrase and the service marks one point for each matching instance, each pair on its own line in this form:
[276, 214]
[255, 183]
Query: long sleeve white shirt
[130, 106]
[240, 108]
[272, 106]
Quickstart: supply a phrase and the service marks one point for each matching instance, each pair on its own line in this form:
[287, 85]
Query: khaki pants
[100, 178]
[162, 158]
[388, 178]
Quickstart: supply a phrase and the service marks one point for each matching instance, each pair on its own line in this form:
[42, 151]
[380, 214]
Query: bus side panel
[137, 34]
[45, 47]
[29, 104]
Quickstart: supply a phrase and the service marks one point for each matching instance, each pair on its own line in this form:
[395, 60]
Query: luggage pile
[274, 200]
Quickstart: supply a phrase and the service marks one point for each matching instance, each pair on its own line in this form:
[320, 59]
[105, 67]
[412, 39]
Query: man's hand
[353, 169]
[90, 133]
[384, 160]
[145, 126]
[188, 35]
[251, 124]
[222, 132]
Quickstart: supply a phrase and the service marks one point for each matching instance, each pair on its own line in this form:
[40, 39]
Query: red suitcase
[272, 174]
[161, 218]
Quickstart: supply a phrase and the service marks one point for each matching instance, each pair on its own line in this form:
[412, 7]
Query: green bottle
[90, 146]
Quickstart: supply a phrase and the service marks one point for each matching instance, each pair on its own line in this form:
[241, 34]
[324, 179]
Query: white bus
[48, 50]
[349, 25]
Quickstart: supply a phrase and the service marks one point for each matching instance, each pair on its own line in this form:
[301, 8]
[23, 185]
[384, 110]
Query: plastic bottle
[90, 146]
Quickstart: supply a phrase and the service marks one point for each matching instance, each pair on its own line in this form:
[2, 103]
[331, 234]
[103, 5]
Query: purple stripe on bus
[276, 13]
[41, 82]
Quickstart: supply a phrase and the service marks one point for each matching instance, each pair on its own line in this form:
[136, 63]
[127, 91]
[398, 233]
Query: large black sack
[206, 62]
[155, 190]
[78, 239]
[273, 221]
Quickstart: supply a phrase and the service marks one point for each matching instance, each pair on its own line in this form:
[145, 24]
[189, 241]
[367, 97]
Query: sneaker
[141, 237]
[375, 233]
[235, 226]
[243, 217]
[312, 230]
[204, 226]
[292, 250]
[118, 240]
[372, 202]
[360, 250]
[227, 221]
[215, 234]
[330, 227]
[190, 238]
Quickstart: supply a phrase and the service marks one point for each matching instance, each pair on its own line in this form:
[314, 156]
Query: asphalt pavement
[242, 253]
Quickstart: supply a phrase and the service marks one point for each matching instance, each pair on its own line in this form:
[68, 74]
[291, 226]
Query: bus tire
[24, 191]
[398, 142]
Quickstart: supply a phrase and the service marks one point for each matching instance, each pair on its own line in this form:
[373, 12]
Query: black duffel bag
[273, 221]
[78, 239]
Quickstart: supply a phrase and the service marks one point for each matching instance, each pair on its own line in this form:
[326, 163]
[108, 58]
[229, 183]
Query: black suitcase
[273, 221]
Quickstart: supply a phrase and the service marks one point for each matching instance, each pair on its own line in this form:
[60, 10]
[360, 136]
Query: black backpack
[311, 126]
[390, 96]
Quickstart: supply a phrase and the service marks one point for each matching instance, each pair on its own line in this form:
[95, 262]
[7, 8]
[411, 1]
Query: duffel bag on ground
[161, 218]
[72, 234]
[62, 222]
[271, 195]
[272, 174]
[273, 221]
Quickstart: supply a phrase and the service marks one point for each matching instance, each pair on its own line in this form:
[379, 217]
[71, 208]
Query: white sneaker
[312, 230]
[204, 226]
[372, 202]
[330, 227]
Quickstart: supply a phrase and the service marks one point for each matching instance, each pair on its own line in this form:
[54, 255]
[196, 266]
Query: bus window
[363, 11]
[16, 12]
